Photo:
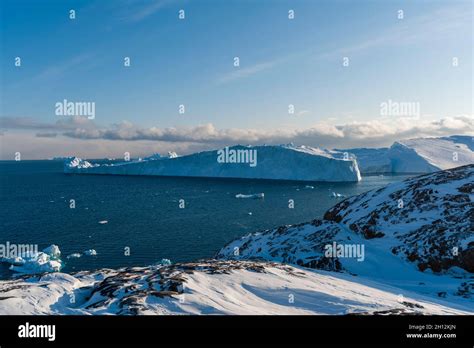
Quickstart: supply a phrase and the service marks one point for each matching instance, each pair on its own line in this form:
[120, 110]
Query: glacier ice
[282, 162]
[47, 260]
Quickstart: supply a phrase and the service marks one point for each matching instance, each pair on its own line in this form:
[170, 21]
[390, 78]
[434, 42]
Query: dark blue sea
[143, 213]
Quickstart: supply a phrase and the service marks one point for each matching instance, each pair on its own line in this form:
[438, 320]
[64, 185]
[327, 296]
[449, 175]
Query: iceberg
[337, 195]
[254, 196]
[280, 162]
[75, 162]
[44, 261]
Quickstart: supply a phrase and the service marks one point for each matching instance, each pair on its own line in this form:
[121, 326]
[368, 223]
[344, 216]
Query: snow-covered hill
[418, 233]
[421, 155]
[426, 155]
[371, 160]
[286, 162]
[212, 287]
[407, 248]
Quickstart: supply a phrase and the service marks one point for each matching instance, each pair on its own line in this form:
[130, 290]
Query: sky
[403, 58]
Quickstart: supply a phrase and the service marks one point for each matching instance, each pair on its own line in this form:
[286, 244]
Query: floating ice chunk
[254, 196]
[90, 252]
[165, 262]
[53, 251]
[337, 195]
[36, 262]
[74, 256]
[103, 222]
[172, 154]
[309, 187]
[76, 162]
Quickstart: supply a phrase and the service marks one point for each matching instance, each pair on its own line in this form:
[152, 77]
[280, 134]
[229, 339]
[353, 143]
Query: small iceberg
[74, 256]
[53, 251]
[165, 262]
[337, 195]
[103, 222]
[77, 163]
[309, 187]
[44, 261]
[254, 196]
[90, 252]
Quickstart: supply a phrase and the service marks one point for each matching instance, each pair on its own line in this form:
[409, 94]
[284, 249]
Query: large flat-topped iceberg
[282, 162]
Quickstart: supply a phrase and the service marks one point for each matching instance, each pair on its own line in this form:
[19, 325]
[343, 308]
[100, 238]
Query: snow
[425, 155]
[410, 247]
[420, 155]
[243, 288]
[273, 162]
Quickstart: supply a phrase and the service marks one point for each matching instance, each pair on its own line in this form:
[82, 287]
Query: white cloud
[143, 141]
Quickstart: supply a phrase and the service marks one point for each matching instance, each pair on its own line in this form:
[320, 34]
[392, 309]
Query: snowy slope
[418, 233]
[212, 287]
[272, 162]
[421, 155]
[431, 154]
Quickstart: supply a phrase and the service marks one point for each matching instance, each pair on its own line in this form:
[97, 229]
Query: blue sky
[190, 62]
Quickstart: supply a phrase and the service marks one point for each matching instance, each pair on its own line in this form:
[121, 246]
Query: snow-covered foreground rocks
[285, 162]
[212, 287]
[416, 234]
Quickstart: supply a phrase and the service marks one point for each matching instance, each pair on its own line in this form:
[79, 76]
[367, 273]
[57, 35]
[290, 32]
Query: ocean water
[143, 213]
